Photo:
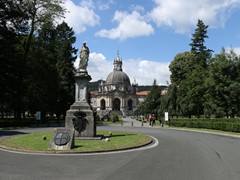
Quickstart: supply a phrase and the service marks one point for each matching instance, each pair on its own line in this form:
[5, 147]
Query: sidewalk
[128, 121]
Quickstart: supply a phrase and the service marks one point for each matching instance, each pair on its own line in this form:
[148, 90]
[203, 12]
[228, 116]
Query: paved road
[180, 155]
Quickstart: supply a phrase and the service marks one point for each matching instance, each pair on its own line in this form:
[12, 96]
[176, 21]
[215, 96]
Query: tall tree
[198, 43]
[52, 55]
[169, 100]
[13, 24]
[66, 55]
[181, 66]
[194, 83]
[183, 69]
[191, 92]
[152, 102]
[223, 85]
[40, 12]
[43, 76]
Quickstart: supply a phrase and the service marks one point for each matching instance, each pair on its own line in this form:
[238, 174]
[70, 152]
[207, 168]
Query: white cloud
[81, 16]
[99, 67]
[87, 3]
[137, 8]
[182, 15]
[129, 26]
[235, 49]
[144, 71]
[104, 5]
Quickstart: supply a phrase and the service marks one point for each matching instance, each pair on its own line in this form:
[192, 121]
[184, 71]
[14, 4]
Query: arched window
[130, 104]
[102, 104]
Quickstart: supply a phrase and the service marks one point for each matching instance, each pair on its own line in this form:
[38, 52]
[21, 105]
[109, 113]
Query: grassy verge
[119, 140]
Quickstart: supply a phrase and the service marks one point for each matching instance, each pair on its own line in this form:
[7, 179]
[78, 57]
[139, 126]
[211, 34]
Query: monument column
[80, 116]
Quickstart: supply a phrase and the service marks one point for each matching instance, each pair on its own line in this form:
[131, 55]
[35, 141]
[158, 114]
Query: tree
[187, 78]
[198, 43]
[223, 85]
[40, 12]
[43, 76]
[38, 73]
[13, 24]
[189, 71]
[181, 66]
[66, 55]
[191, 92]
[169, 100]
[152, 101]
[52, 56]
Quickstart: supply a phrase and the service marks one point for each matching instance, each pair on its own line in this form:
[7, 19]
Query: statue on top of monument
[84, 56]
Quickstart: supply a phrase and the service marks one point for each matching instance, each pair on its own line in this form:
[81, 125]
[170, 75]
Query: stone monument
[63, 139]
[80, 116]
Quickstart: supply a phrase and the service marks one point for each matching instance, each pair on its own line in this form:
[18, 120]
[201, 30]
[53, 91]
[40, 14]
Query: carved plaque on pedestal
[63, 139]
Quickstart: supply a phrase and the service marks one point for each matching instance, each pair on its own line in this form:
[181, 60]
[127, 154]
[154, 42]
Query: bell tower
[117, 63]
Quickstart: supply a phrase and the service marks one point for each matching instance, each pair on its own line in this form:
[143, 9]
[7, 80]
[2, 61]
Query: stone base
[89, 138]
[82, 75]
[84, 107]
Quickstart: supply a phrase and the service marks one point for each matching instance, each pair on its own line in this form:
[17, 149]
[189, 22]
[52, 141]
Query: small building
[142, 95]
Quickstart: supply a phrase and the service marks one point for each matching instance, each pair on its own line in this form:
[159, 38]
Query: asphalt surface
[180, 155]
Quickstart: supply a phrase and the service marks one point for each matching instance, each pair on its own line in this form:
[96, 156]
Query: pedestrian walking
[150, 119]
[153, 120]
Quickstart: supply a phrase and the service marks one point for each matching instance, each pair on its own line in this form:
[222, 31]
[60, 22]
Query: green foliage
[53, 91]
[181, 66]
[11, 122]
[40, 12]
[36, 58]
[189, 75]
[232, 125]
[152, 101]
[114, 118]
[13, 23]
[222, 96]
[198, 43]
[169, 101]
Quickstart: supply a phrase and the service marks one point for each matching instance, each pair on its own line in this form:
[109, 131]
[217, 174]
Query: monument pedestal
[80, 115]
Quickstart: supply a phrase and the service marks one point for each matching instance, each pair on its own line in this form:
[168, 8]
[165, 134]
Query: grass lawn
[119, 140]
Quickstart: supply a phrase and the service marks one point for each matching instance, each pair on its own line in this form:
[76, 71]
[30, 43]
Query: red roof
[93, 93]
[143, 93]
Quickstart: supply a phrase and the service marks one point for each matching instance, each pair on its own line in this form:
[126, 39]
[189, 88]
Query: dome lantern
[117, 63]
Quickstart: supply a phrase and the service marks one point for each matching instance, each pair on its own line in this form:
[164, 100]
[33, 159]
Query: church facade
[116, 93]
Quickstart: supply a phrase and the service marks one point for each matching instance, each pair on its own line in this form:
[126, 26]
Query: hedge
[216, 124]
[30, 121]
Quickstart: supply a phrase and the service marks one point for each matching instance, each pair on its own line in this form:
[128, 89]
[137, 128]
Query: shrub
[217, 124]
[115, 118]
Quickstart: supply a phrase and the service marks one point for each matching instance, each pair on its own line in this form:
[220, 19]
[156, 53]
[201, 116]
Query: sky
[148, 34]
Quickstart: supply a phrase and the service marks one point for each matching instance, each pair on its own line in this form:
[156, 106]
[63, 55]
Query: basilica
[116, 93]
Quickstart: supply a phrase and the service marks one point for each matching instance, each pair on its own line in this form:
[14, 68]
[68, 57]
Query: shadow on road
[10, 133]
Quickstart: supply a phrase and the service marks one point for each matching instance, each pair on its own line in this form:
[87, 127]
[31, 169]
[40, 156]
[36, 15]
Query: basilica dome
[117, 77]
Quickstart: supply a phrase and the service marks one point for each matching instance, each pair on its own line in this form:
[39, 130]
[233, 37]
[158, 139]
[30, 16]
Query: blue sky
[148, 33]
